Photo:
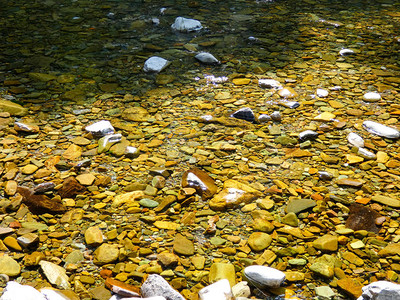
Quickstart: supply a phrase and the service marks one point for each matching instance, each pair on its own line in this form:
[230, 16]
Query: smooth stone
[155, 285]
[106, 254]
[16, 291]
[380, 290]
[55, 274]
[220, 290]
[264, 277]
[9, 266]
[326, 243]
[186, 25]
[94, 236]
[201, 181]
[155, 64]
[100, 128]
[298, 205]
[220, 271]
[355, 140]
[244, 113]
[372, 97]
[351, 286]
[308, 135]
[381, 130]
[259, 241]
[207, 58]
[386, 200]
[183, 246]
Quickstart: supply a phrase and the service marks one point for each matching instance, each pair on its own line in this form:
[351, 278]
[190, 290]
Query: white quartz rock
[100, 128]
[380, 290]
[269, 83]
[55, 274]
[322, 93]
[381, 130]
[220, 290]
[355, 140]
[372, 97]
[264, 277]
[207, 58]
[14, 291]
[186, 25]
[155, 64]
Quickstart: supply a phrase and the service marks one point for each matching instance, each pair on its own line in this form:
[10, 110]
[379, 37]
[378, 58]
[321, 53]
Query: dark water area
[100, 46]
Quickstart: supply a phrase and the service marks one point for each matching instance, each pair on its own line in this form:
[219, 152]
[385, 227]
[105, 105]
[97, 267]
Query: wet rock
[259, 241]
[372, 97]
[201, 181]
[233, 194]
[155, 285]
[381, 130]
[207, 58]
[186, 25]
[14, 291]
[183, 246]
[220, 290]
[326, 243]
[100, 128]
[264, 277]
[155, 64]
[351, 286]
[106, 254]
[362, 218]
[55, 274]
[9, 266]
[244, 114]
[70, 188]
[308, 135]
[380, 290]
[40, 204]
[355, 140]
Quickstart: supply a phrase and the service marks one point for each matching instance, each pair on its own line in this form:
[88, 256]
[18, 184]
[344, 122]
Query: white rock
[155, 64]
[269, 83]
[380, 290]
[186, 25]
[372, 97]
[100, 128]
[241, 289]
[355, 140]
[381, 130]
[220, 290]
[366, 153]
[155, 285]
[206, 58]
[55, 274]
[16, 291]
[322, 93]
[345, 52]
[264, 277]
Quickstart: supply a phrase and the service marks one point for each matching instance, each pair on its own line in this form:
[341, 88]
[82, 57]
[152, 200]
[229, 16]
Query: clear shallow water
[102, 46]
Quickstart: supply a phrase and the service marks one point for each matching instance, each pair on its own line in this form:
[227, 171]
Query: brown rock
[39, 204]
[201, 181]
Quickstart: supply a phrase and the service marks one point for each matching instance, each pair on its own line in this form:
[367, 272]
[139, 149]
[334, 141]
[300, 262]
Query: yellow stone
[325, 116]
[73, 152]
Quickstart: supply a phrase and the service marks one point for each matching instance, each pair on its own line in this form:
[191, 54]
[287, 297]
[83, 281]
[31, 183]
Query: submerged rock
[264, 277]
[155, 64]
[186, 25]
[381, 130]
[207, 58]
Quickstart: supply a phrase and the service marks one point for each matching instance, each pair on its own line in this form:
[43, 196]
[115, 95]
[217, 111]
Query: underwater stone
[244, 114]
[381, 130]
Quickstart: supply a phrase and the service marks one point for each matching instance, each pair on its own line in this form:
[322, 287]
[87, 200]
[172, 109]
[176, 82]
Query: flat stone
[55, 274]
[9, 266]
[183, 246]
[220, 271]
[259, 241]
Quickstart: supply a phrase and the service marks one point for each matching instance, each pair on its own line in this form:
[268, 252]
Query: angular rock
[100, 128]
[207, 58]
[155, 64]
[40, 204]
[55, 274]
[244, 113]
[186, 25]
[155, 285]
[201, 181]
[220, 290]
[220, 271]
[380, 290]
[264, 277]
[381, 130]
[362, 218]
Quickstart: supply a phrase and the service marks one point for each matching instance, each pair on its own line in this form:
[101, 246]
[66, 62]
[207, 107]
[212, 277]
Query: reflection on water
[91, 47]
